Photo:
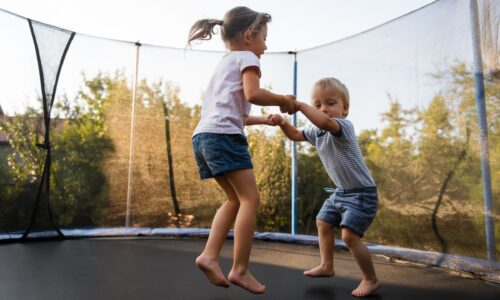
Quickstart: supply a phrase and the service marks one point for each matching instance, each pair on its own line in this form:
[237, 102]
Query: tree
[391, 155]
[272, 172]
[312, 178]
[79, 146]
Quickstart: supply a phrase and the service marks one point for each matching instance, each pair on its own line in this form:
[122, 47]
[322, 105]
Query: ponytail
[203, 29]
[236, 21]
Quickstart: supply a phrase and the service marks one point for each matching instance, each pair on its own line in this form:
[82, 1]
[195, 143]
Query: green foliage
[78, 148]
[410, 155]
[390, 155]
[416, 152]
[312, 179]
[20, 170]
[272, 171]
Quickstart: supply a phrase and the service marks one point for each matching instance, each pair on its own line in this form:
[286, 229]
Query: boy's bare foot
[247, 281]
[320, 271]
[212, 270]
[366, 288]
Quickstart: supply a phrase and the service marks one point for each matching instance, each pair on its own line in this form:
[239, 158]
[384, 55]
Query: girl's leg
[224, 218]
[326, 235]
[243, 183]
[360, 253]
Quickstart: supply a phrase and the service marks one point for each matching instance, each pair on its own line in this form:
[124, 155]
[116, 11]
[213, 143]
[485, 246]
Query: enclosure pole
[294, 151]
[132, 127]
[483, 132]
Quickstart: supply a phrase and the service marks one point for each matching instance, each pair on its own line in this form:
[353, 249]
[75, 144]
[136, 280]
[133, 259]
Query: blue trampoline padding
[479, 267]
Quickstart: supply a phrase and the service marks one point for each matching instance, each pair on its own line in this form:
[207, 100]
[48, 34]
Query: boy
[354, 203]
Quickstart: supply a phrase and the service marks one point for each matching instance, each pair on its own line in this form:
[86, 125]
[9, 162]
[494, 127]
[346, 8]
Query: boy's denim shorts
[351, 208]
[218, 153]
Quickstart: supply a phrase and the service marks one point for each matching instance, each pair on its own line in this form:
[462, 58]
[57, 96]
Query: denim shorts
[218, 153]
[351, 208]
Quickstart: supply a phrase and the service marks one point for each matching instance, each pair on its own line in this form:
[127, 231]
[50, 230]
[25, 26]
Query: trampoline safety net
[96, 133]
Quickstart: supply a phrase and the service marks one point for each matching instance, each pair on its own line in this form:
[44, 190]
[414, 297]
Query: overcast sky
[296, 25]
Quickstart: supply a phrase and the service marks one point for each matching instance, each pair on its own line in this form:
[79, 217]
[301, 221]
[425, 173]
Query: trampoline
[82, 148]
[163, 268]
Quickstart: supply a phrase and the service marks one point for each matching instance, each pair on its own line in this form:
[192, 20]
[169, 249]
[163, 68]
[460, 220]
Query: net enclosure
[95, 134]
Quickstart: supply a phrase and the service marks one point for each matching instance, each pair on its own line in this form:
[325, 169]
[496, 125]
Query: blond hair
[337, 85]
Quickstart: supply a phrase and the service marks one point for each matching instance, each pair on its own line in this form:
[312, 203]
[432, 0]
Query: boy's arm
[321, 120]
[291, 132]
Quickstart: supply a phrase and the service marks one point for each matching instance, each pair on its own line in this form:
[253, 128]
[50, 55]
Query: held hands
[290, 105]
[274, 120]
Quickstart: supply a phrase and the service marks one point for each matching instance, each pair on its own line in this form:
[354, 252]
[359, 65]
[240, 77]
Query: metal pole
[294, 151]
[483, 132]
[132, 127]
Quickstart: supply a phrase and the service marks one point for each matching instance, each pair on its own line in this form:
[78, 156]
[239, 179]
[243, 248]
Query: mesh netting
[124, 113]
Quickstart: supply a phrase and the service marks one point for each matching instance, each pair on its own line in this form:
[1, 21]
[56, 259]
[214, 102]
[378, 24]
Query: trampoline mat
[163, 268]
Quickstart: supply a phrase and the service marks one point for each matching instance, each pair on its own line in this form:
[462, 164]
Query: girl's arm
[321, 120]
[255, 95]
[259, 120]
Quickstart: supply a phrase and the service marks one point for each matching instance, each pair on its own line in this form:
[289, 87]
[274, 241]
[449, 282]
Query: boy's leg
[362, 256]
[224, 218]
[326, 235]
[245, 186]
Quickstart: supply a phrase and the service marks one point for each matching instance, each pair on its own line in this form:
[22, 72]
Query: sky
[296, 25]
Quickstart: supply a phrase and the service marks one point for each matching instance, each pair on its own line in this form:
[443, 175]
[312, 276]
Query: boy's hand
[275, 119]
[289, 105]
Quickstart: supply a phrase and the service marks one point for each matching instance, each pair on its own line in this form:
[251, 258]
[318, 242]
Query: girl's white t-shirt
[224, 108]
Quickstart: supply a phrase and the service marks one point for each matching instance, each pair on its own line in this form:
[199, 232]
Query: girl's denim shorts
[351, 208]
[217, 153]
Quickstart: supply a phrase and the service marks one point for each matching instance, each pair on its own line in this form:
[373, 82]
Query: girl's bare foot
[212, 270]
[320, 271]
[247, 281]
[366, 287]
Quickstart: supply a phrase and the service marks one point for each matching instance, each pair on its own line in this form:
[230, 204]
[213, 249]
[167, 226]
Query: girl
[219, 144]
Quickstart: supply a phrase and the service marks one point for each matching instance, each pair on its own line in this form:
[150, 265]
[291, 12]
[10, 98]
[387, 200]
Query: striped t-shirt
[340, 155]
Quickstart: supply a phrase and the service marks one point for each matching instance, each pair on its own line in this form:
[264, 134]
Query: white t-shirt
[224, 108]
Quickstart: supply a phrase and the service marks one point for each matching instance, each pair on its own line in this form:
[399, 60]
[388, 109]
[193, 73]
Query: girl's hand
[289, 105]
[274, 120]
